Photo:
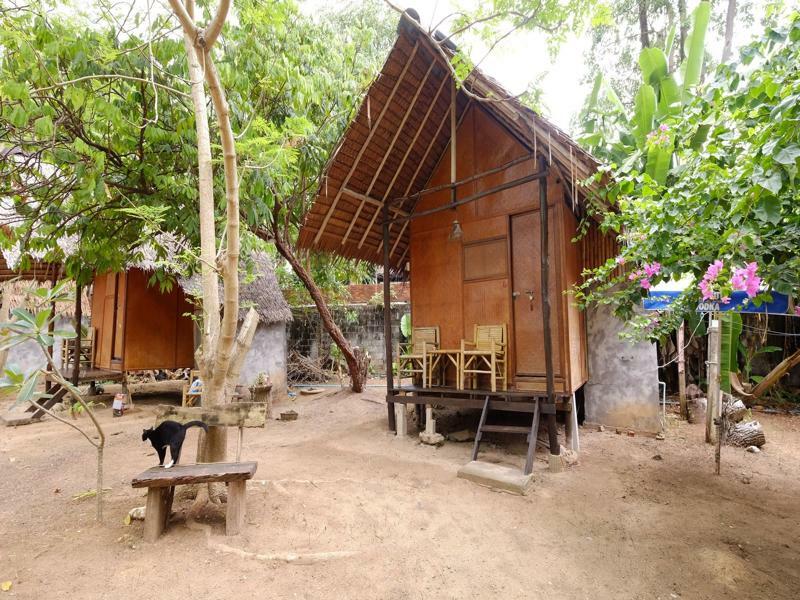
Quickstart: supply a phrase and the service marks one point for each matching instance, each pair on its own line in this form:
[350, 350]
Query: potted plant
[261, 391]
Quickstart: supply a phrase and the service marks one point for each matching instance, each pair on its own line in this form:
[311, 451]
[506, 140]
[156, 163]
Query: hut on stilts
[477, 198]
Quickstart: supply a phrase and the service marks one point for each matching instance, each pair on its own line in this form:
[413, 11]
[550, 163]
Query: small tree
[33, 326]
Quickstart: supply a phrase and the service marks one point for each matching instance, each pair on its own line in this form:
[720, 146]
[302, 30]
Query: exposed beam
[466, 180]
[372, 131]
[388, 152]
[373, 201]
[422, 124]
[538, 175]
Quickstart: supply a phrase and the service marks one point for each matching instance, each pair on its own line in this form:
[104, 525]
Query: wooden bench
[160, 484]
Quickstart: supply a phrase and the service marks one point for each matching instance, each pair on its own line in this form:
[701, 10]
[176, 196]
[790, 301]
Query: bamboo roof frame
[389, 159]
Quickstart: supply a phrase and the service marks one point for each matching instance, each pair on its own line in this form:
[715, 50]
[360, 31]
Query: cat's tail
[196, 424]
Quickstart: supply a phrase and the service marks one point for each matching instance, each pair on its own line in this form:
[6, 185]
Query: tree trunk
[357, 360]
[683, 30]
[644, 30]
[729, 21]
[5, 302]
[221, 350]
[775, 375]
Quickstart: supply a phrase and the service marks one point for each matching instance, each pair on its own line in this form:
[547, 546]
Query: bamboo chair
[413, 360]
[485, 355]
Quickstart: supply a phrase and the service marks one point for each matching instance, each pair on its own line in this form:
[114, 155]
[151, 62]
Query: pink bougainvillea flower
[797, 310]
[745, 278]
[635, 275]
[645, 283]
[725, 299]
[713, 270]
[705, 287]
[652, 269]
[738, 282]
[620, 260]
[663, 127]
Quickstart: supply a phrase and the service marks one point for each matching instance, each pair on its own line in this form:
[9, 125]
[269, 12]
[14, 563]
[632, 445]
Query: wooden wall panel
[98, 308]
[439, 294]
[573, 316]
[436, 289]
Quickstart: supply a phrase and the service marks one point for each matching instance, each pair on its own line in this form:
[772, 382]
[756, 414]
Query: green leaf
[658, 161]
[731, 330]
[695, 49]
[645, 108]
[788, 155]
[19, 118]
[772, 181]
[26, 392]
[768, 209]
[43, 126]
[653, 63]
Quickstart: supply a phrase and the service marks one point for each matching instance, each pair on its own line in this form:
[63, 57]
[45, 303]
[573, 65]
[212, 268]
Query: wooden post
[387, 318]
[236, 507]
[713, 396]
[555, 448]
[453, 127]
[76, 367]
[48, 385]
[682, 372]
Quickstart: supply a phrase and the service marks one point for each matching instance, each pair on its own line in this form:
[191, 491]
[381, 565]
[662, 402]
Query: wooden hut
[139, 327]
[477, 197]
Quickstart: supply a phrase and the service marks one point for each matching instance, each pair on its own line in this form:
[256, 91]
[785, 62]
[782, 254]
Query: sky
[522, 58]
[562, 86]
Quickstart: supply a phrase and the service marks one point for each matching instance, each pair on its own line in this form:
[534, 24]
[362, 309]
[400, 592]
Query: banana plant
[662, 95]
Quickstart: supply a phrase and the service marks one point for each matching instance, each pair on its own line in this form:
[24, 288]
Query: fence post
[713, 396]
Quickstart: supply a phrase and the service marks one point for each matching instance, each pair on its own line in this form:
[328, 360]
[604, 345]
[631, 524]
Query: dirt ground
[342, 509]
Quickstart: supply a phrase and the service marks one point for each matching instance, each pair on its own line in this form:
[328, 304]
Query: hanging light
[456, 232]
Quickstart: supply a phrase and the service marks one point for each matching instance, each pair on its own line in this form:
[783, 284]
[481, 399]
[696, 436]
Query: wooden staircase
[531, 432]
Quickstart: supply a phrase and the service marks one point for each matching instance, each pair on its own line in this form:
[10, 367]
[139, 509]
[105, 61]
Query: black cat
[169, 434]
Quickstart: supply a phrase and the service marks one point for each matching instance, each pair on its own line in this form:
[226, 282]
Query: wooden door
[526, 295]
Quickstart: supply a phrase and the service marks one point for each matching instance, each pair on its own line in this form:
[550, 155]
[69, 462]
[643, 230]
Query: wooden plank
[237, 414]
[156, 512]
[236, 507]
[159, 477]
[366, 142]
[506, 429]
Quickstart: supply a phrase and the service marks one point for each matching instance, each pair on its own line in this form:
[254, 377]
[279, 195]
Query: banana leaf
[645, 109]
[728, 358]
[695, 49]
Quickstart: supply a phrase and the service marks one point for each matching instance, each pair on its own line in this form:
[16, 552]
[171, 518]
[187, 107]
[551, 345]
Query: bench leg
[237, 505]
[159, 504]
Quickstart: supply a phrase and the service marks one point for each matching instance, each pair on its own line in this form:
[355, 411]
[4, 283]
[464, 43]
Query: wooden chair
[413, 360]
[85, 352]
[485, 355]
[192, 397]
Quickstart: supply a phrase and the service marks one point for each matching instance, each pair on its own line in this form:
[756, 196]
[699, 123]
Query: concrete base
[556, 463]
[499, 477]
[432, 439]
[16, 418]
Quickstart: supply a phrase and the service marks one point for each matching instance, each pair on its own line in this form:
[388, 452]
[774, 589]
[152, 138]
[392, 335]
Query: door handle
[530, 294]
[514, 295]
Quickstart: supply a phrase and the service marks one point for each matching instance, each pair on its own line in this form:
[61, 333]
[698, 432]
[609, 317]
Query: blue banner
[739, 302]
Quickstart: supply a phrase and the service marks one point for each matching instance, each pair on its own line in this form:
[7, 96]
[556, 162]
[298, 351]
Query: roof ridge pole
[372, 131]
[544, 237]
[453, 127]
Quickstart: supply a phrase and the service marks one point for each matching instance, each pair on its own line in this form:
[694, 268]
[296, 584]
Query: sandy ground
[342, 509]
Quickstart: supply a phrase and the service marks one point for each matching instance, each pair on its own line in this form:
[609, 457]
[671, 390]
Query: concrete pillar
[400, 419]
[429, 436]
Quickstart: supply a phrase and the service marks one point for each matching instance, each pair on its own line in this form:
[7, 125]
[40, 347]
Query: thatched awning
[36, 271]
[392, 147]
[262, 293]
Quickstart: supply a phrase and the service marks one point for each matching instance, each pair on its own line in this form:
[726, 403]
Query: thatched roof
[392, 147]
[37, 271]
[19, 292]
[262, 293]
